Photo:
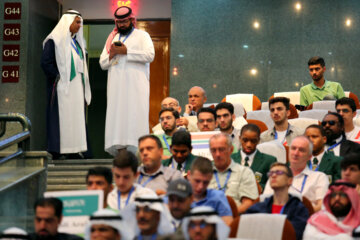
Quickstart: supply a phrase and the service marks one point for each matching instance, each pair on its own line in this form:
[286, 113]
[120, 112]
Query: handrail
[22, 138]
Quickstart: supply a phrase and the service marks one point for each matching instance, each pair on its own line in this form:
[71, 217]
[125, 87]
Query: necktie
[315, 163]
[179, 166]
[247, 161]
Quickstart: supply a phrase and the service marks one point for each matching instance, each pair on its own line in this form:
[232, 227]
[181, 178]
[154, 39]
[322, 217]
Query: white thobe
[128, 91]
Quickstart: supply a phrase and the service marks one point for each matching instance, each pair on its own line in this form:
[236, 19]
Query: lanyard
[218, 182]
[302, 185]
[317, 167]
[282, 209]
[166, 142]
[127, 199]
[333, 146]
[147, 181]
[287, 131]
[74, 45]
[126, 37]
[153, 237]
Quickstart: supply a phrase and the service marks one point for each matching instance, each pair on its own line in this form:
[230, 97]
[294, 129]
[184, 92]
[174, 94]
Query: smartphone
[118, 43]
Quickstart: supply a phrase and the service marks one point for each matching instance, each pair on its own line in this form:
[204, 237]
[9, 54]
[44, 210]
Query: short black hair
[206, 109]
[319, 127]
[316, 60]
[101, 171]
[350, 159]
[225, 105]
[181, 137]
[339, 117]
[203, 165]
[153, 137]
[50, 202]
[174, 112]
[346, 101]
[125, 159]
[289, 172]
[284, 100]
[250, 127]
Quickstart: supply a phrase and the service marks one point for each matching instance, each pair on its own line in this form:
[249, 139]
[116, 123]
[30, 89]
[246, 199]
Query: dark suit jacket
[260, 165]
[330, 165]
[348, 146]
[189, 160]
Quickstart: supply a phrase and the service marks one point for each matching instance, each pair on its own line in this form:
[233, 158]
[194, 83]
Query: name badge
[258, 176]
[330, 178]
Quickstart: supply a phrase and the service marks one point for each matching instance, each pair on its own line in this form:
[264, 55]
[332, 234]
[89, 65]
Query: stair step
[64, 180]
[65, 187]
[74, 167]
[67, 173]
[81, 161]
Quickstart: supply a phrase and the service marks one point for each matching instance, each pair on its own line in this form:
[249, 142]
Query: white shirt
[315, 186]
[112, 199]
[336, 149]
[244, 155]
[319, 157]
[281, 136]
[353, 135]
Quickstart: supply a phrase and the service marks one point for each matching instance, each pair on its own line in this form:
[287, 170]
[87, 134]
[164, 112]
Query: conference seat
[250, 101]
[262, 226]
[303, 123]
[258, 123]
[354, 97]
[317, 114]
[325, 105]
[273, 148]
[293, 96]
[233, 206]
[261, 115]
[307, 203]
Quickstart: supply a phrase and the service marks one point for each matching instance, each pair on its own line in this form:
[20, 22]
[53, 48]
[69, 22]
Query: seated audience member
[308, 183]
[350, 169]
[100, 178]
[340, 216]
[199, 176]
[107, 224]
[233, 179]
[333, 125]
[322, 160]
[225, 117]
[196, 98]
[206, 118]
[167, 118]
[282, 131]
[249, 156]
[180, 197]
[153, 174]
[346, 107]
[48, 216]
[182, 157]
[125, 173]
[184, 122]
[280, 177]
[149, 217]
[320, 88]
[14, 233]
[204, 223]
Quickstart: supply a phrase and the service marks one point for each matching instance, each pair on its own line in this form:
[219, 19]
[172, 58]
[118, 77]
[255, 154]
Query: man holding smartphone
[127, 55]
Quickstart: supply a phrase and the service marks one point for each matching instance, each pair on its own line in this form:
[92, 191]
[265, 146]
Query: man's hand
[182, 122]
[117, 50]
[188, 108]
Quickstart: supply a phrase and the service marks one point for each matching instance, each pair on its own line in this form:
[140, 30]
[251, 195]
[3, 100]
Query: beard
[125, 31]
[340, 211]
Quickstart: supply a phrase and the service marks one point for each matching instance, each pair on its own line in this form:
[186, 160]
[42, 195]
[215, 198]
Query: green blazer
[260, 165]
[189, 160]
[330, 165]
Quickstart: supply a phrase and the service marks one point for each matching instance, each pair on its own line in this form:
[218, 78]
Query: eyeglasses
[277, 172]
[165, 118]
[202, 225]
[341, 194]
[331, 123]
[342, 110]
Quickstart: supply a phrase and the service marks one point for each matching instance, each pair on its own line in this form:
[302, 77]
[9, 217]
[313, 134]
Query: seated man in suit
[281, 201]
[182, 157]
[333, 124]
[251, 157]
[206, 119]
[322, 160]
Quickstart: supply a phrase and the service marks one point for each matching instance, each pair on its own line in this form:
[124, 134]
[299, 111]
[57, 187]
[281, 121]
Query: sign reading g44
[11, 53]
[12, 10]
[11, 32]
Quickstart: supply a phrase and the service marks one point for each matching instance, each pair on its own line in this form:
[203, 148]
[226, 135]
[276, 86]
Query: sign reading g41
[11, 32]
[10, 74]
[12, 10]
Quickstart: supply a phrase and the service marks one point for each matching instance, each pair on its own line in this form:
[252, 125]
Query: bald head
[197, 97]
[300, 152]
[170, 102]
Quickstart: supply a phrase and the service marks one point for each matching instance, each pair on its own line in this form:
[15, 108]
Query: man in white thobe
[127, 55]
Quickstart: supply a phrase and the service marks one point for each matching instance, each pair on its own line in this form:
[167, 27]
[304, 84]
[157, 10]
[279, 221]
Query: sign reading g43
[12, 10]
[11, 32]
[11, 53]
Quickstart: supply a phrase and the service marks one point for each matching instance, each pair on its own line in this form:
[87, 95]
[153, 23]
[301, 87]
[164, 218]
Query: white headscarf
[61, 36]
[155, 203]
[110, 218]
[14, 233]
[208, 215]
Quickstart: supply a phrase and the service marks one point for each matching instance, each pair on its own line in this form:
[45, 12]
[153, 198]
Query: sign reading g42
[11, 53]
[12, 10]
[11, 32]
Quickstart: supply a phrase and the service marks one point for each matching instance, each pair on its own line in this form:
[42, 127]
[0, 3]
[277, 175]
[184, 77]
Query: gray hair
[220, 135]
[311, 146]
